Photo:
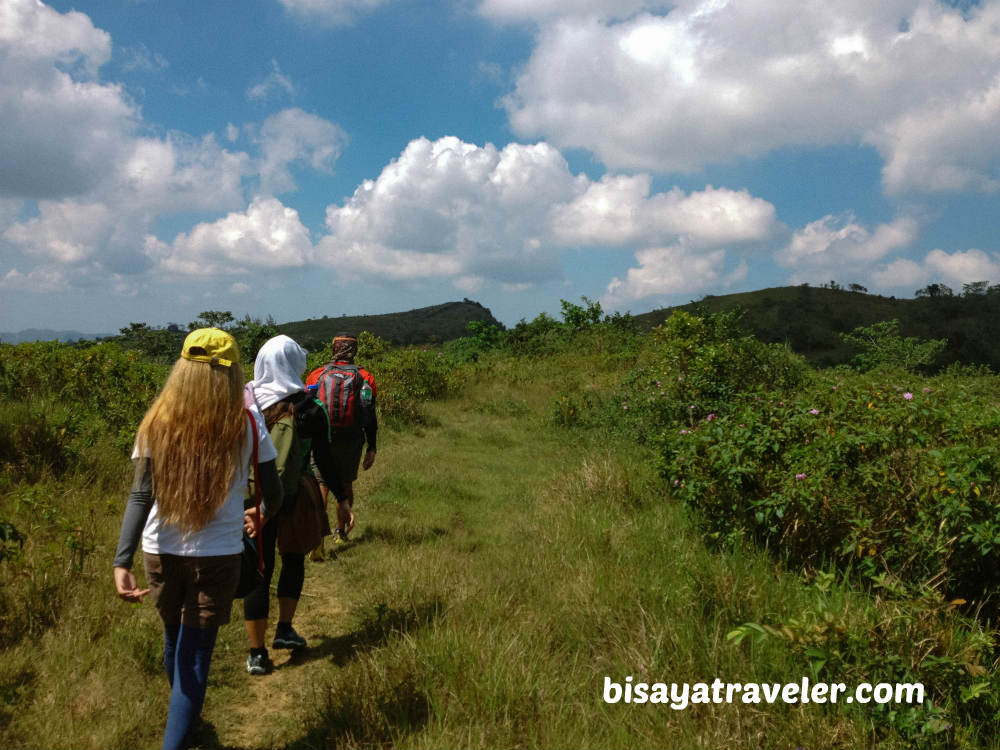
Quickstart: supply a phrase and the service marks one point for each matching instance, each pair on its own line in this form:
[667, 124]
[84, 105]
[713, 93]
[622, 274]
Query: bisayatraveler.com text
[681, 695]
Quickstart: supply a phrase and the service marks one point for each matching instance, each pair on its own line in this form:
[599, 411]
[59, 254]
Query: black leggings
[256, 605]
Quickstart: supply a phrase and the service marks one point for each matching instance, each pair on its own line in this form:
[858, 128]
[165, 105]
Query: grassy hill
[425, 325]
[810, 319]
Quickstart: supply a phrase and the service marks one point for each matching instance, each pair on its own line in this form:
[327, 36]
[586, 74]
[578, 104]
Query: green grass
[501, 568]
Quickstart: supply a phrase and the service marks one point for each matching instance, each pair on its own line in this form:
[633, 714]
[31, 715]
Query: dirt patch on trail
[271, 702]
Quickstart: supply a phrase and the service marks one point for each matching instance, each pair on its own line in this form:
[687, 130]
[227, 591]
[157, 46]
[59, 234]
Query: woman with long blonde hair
[193, 454]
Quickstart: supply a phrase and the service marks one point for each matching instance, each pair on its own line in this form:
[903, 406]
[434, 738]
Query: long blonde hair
[194, 434]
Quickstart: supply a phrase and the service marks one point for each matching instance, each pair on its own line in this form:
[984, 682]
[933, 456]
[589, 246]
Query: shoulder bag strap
[256, 494]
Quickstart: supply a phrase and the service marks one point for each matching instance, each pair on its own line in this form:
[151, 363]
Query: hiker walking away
[348, 393]
[299, 428]
[192, 458]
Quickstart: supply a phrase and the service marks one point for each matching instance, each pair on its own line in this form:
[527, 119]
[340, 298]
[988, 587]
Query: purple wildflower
[814, 411]
[710, 417]
[800, 477]
[926, 390]
[908, 396]
[684, 432]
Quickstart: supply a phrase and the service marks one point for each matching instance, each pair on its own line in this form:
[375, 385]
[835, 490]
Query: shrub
[882, 347]
[892, 478]
[695, 366]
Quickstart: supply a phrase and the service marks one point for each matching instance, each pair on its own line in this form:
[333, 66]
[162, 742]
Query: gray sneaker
[288, 639]
[258, 664]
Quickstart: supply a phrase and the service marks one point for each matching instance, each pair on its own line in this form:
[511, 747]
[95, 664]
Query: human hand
[250, 523]
[369, 460]
[350, 522]
[127, 587]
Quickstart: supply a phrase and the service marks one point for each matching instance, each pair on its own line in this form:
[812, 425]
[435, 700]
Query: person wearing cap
[348, 443]
[300, 430]
[193, 454]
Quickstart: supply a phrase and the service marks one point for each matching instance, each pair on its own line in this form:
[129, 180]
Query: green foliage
[579, 317]
[213, 319]
[883, 347]
[911, 642]
[885, 477]
[11, 540]
[36, 438]
[809, 320]
[694, 366]
[582, 325]
[408, 378]
[102, 385]
[250, 334]
[161, 344]
[482, 337]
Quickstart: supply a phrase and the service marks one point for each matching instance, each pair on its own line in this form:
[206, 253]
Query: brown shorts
[194, 591]
[347, 457]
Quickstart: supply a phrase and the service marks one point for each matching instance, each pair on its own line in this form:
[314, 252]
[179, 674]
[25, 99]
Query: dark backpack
[339, 390]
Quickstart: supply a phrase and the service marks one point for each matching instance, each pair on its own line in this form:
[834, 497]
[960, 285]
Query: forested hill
[810, 319]
[425, 325]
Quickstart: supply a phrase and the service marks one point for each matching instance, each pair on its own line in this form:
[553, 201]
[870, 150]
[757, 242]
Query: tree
[153, 342]
[935, 290]
[213, 319]
[882, 346]
[577, 318]
[975, 288]
[857, 288]
[251, 333]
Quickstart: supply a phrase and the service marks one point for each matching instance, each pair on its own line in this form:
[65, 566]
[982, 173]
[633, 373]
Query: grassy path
[500, 570]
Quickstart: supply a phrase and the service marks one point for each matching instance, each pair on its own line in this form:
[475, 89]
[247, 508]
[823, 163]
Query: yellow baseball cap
[212, 345]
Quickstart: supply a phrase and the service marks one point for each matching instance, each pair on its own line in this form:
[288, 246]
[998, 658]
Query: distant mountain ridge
[424, 325]
[811, 319]
[45, 334]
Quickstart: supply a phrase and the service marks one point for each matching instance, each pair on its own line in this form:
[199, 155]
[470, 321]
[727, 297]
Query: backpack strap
[256, 492]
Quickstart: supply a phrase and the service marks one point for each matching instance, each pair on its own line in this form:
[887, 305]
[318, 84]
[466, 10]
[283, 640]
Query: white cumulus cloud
[268, 235]
[65, 231]
[954, 269]
[671, 270]
[834, 245]
[293, 136]
[711, 81]
[451, 209]
[60, 126]
[41, 280]
[619, 210]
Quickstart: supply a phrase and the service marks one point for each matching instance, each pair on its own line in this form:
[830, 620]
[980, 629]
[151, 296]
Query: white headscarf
[277, 372]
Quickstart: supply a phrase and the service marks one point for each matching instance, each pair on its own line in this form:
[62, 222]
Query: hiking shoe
[339, 536]
[258, 664]
[288, 639]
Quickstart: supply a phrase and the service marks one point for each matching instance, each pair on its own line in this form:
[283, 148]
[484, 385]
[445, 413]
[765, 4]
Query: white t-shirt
[223, 535]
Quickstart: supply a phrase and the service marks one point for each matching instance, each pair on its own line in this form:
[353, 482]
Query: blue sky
[300, 158]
